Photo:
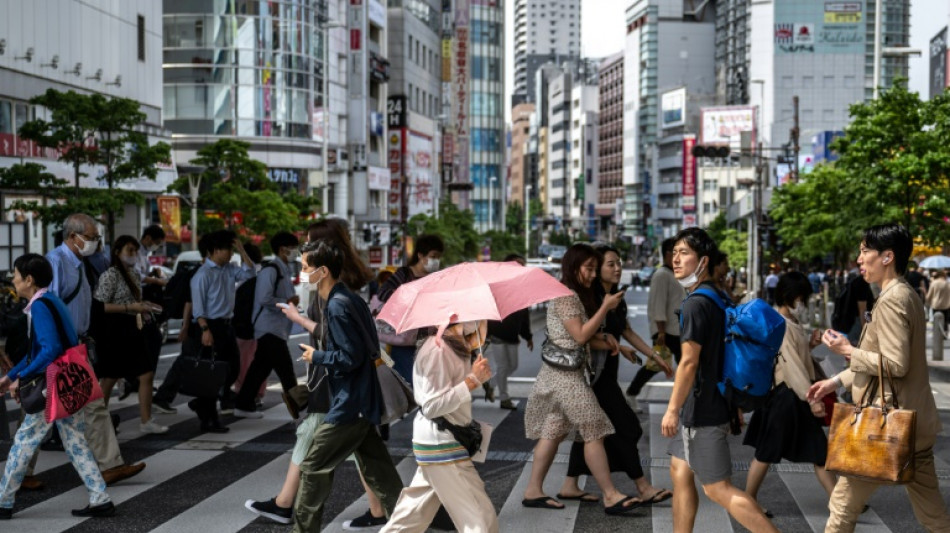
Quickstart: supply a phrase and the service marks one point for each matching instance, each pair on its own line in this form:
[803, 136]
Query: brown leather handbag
[873, 443]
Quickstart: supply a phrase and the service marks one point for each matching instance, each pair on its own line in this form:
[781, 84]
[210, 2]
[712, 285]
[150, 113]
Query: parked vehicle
[645, 275]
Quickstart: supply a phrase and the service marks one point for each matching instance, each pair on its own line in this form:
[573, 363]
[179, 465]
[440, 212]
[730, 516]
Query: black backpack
[244, 318]
[178, 290]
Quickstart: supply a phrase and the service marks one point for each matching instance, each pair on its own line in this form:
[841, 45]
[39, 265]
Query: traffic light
[710, 150]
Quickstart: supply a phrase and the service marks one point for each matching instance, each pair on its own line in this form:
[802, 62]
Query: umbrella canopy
[469, 291]
[936, 261]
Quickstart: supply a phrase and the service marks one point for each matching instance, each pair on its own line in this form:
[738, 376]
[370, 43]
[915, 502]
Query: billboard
[722, 125]
[673, 108]
[169, 211]
[420, 166]
[688, 201]
[831, 27]
[938, 64]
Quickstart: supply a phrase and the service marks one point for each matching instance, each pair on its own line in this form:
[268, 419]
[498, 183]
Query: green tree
[892, 167]
[232, 182]
[457, 229]
[514, 215]
[733, 242]
[95, 130]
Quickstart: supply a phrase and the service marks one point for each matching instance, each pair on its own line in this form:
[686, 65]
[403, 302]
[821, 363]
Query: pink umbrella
[469, 291]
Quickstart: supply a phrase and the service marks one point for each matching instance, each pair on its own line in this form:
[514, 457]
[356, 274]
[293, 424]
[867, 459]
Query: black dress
[785, 428]
[120, 344]
[621, 447]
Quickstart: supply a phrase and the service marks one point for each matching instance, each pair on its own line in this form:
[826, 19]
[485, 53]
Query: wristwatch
[203, 328]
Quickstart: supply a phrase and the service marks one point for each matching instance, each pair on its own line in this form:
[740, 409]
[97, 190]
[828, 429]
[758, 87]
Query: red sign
[355, 39]
[689, 174]
[375, 256]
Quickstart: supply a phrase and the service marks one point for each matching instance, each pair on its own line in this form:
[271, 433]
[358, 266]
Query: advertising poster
[938, 64]
[169, 209]
[815, 27]
[689, 174]
[420, 166]
[722, 125]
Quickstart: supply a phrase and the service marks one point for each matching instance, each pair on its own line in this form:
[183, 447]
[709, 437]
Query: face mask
[469, 327]
[129, 261]
[151, 249]
[800, 311]
[88, 247]
[292, 256]
[432, 265]
[314, 285]
[691, 279]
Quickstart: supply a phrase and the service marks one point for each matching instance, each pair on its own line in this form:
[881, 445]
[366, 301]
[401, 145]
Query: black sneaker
[367, 520]
[101, 510]
[6, 514]
[270, 509]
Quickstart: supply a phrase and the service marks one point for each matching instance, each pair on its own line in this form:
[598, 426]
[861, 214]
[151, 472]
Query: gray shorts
[706, 451]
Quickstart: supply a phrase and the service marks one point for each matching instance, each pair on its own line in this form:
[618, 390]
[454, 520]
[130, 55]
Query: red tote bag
[70, 381]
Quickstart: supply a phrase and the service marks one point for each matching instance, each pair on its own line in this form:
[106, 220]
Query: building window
[141, 37]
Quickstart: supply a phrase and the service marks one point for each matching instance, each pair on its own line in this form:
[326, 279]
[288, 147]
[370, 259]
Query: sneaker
[506, 404]
[489, 392]
[367, 520]
[259, 404]
[270, 509]
[163, 408]
[153, 427]
[241, 413]
[96, 511]
[227, 407]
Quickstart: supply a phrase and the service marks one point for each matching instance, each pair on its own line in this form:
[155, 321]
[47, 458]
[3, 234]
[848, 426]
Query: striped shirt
[439, 454]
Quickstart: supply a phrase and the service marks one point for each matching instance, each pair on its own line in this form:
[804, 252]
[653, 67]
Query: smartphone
[623, 288]
[283, 305]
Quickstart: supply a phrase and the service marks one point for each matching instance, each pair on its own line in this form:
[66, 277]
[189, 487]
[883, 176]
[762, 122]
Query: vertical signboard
[419, 165]
[688, 201]
[461, 104]
[396, 168]
[938, 64]
[169, 210]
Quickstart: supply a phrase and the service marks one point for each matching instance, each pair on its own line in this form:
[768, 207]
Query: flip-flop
[619, 508]
[584, 497]
[659, 496]
[544, 502]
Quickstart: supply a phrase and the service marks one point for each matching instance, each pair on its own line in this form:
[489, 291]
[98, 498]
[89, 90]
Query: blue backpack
[754, 333]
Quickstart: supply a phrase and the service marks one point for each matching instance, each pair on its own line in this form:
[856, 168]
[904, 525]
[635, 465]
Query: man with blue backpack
[703, 449]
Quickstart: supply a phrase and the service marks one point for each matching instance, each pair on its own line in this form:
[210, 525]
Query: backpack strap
[276, 281]
[712, 295]
[63, 337]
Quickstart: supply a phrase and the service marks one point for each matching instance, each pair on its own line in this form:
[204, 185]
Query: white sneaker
[153, 427]
[241, 413]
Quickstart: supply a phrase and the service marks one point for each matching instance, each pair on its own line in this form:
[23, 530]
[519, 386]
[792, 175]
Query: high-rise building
[559, 138]
[545, 31]
[414, 141]
[520, 173]
[610, 144]
[680, 35]
[472, 98]
[108, 48]
[585, 107]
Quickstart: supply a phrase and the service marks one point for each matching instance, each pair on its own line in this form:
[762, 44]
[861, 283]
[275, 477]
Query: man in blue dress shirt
[70, 282]
[212, 300]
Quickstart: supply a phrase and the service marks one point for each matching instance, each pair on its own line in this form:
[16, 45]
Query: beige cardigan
[794, 366]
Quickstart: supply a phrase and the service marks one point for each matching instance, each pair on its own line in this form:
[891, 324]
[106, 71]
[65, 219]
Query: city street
[199, 482]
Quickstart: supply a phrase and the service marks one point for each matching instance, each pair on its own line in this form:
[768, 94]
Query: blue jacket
[45, 346]
[351, 345]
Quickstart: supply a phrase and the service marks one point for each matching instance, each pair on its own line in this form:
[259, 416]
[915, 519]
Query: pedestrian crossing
[198, 481]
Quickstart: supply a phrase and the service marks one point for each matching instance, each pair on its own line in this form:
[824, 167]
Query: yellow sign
[842, 18]
[169, 209]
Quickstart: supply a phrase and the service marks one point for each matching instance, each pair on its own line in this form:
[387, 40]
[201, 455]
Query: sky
[603, 30]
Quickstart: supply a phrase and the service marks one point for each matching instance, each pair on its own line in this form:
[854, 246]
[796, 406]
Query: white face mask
[691, 279]
[151, 249]
[314, 285]
[129, 261]
[88, 247]
[800, 312]
[432, 265]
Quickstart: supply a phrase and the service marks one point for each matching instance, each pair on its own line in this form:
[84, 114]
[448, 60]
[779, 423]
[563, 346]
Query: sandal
[619, 508]
[544, 502]
[659, 496]
[584, 497]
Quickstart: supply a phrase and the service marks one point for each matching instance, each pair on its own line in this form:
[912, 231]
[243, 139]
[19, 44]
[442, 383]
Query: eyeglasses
[96, 238]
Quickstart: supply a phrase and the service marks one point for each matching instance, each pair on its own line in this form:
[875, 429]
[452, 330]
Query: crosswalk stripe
[483, 411]
[517, 517]
[223, 511]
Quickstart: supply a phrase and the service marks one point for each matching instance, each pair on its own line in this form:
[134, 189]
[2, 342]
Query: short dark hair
[203, 245]
[514, 257]
[220, 240]
[698, 241]
[424, 245]
[37, 266]
[281, 239]
[254, 252]
[893, 237]
[324, 253]
[792, 286]
[718, 258]
[667, 246]
[154, 232]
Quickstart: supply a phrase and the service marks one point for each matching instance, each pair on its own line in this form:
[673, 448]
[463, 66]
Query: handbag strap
[63, 337]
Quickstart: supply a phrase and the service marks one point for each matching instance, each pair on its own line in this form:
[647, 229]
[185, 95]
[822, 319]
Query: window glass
[6, 117]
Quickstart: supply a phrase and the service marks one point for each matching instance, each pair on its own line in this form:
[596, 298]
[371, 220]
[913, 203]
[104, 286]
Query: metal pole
[193, 185]
[938, 337]
[878, 10]
[326, 118]
[527, 221]
[796, 131]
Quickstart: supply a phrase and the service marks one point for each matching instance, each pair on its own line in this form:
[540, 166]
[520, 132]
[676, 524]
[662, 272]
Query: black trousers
[272, 354]
[644, 375]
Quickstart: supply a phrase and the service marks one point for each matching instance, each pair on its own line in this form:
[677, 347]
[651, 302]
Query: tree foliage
[733, 242]
[86, 130]
[231, 182]
[457, 229]
[893, 167]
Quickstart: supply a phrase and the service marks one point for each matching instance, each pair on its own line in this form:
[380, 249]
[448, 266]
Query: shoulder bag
[873, 443]
[469, 435]
[563, 358]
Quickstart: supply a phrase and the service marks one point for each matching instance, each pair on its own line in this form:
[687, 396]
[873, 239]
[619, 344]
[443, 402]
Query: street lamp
[491, 201]
[527, 220]
[325, 28]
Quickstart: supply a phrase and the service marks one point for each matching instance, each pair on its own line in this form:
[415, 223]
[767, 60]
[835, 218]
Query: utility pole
[794, 135]
[194, 184]
[527, 221]
[878, 14]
